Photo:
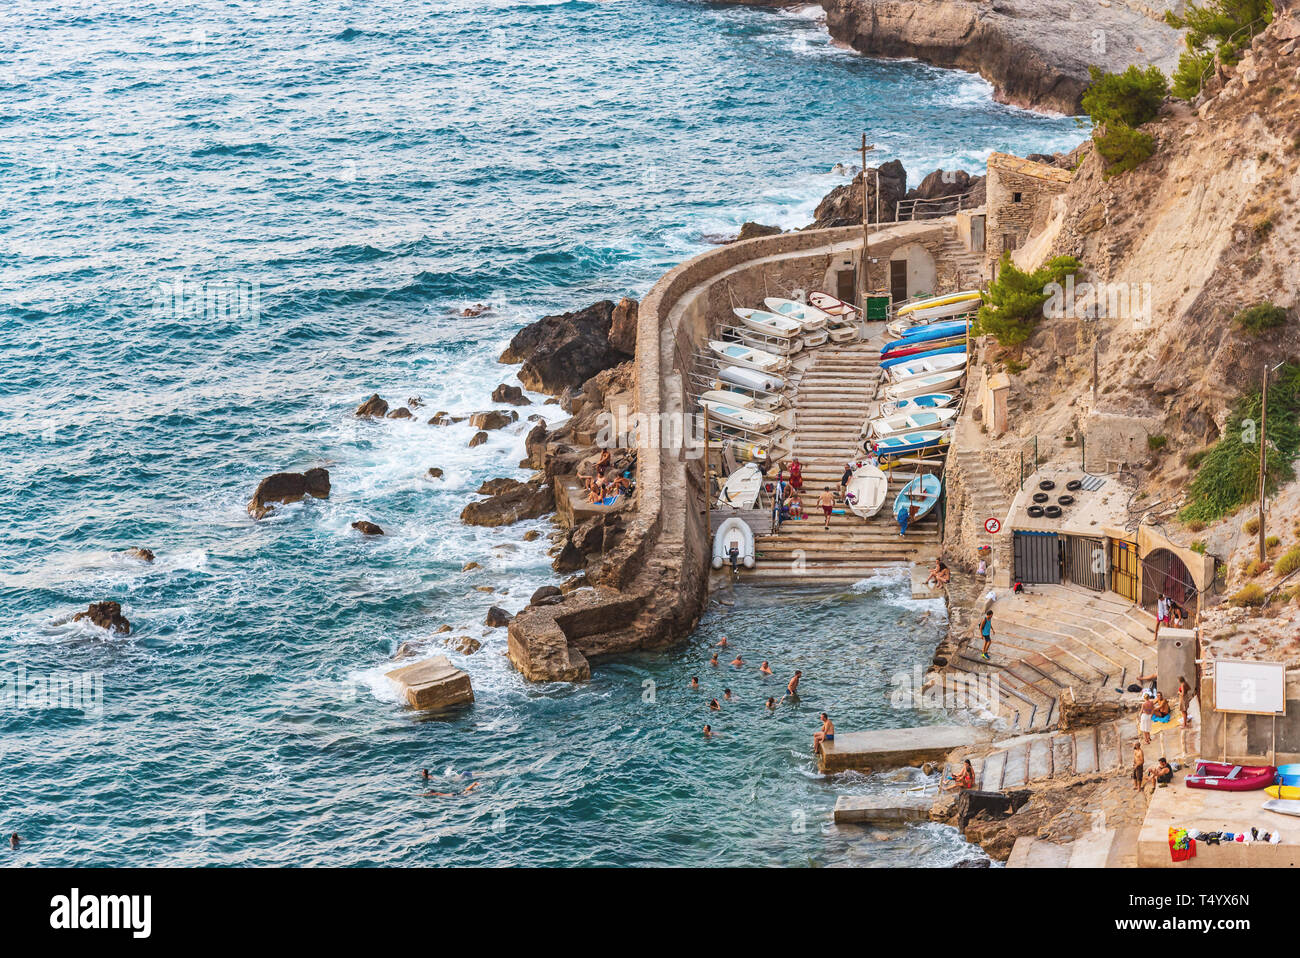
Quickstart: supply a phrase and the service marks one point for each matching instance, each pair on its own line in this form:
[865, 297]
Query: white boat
[751, 379]
[816, 338]
[926, 366]
[733, 544]
[742, 355]
[843, 334]
[913, 403]
[785, 346]
[910, 422]
[741, 489]
[767, 323]
[923, 384]
[810, 317]
[936, 302]
[729, 398]
[866, 491]
[835, 307]
[754, 420]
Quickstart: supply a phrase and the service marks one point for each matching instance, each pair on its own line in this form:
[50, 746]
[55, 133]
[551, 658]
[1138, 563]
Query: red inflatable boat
[1231, 778]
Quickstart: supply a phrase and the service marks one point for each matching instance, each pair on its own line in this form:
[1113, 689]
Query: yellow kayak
[962, 297]
[1282, 791]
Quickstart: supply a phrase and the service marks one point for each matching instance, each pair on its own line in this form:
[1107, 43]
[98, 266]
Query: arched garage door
[1164, 573]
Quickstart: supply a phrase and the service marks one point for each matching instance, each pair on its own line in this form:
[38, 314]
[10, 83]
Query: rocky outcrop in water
[285, 487]
[144, 555]
[367, 528]
[1036, 53]
[106, 615]
[372, 408]
[842, 206]
[509, 501]
[511, 395]
[562, 352]
[493, 419]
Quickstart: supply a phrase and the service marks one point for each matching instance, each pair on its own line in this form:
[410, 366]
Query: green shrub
[1272, 542]
[1196, 525]
[1123, 147]
[1251, 525]
[1254, 567]
[1014, 302]
[1156, 443]
[1255, 319]
[1198, 547]
[1289, 562]
[1228, 474]
[1252, 594]
[1220, 30]
[1130, 98]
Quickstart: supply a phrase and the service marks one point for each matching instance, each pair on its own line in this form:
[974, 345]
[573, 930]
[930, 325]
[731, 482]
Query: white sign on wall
[1258, 688]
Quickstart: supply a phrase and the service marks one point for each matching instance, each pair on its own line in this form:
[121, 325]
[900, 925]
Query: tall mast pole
[866, 240]
[1263, 456]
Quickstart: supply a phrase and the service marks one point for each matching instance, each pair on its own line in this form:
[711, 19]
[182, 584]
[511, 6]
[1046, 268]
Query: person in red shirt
[796, 473]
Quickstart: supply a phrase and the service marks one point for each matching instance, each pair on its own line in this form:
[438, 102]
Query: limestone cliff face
[1206, 227]
[1036, 53]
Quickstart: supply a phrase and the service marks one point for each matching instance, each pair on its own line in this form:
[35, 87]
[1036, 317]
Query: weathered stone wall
[1010, 220]
[651, 589]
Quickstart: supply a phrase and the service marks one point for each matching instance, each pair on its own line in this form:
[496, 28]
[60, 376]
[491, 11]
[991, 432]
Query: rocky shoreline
[1036, 53]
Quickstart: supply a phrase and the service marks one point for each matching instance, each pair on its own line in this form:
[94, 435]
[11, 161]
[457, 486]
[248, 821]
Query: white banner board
[1258, 688]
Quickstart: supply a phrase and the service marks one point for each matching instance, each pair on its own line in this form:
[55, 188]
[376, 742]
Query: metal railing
[921, 209]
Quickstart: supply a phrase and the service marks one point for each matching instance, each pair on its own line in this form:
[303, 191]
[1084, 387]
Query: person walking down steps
[986, 633]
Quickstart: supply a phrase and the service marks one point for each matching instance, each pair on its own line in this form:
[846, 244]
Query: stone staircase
[833, 397]
[962, 268]
[1057, 640]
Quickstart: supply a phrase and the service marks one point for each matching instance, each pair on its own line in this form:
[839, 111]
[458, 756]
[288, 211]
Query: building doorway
[1163, 573]
[898, 280]
[1124, 568]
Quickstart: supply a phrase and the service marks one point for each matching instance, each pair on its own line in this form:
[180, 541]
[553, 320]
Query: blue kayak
[898, 360]
[926, 334]
[923, 493]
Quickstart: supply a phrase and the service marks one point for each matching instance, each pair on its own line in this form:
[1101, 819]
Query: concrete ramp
[920, 572]
[887, 748]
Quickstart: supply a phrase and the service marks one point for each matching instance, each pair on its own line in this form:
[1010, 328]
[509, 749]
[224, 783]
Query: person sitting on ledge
[827, 734]
[1162, 774]
[964, 779]
[939, 575]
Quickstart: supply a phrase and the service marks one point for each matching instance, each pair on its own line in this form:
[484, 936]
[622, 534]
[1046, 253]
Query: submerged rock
[401, 412]
[463, 644]
[144, 555]
[106, 615]
[284, 487]
[367, 528]
[434, 472]
[478, 439]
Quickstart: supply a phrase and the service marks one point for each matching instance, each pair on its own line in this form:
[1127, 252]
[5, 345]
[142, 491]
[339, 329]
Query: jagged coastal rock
[433, 684]
[509, 500]
[512, 395]
[1036, 53]
[106, 615]
[367, 528]
[137, 552]
[563, 352]
[372, 408]
[284, 487]
[842, 206]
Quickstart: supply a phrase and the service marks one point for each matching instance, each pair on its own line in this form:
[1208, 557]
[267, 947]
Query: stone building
[1020, 192]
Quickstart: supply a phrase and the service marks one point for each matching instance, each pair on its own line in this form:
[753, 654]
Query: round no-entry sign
[991, 526]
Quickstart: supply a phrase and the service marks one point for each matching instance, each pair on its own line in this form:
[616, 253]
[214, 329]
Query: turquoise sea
[223, 226]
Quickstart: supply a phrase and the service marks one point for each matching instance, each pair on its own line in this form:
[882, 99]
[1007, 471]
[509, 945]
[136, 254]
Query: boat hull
[1215, 775]
[733, 532]
[866, 491]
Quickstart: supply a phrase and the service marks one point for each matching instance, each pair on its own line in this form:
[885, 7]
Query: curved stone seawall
[652, 588]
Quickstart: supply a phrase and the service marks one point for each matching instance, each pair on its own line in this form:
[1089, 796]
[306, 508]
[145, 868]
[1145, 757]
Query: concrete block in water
[907, 807]
[433, 684]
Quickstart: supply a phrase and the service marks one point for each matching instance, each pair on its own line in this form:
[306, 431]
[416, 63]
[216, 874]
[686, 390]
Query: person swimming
[469, 788]
[714, 659]
[765, 668]
[722, 642]
[708, 731]
[771, 703]
[737, 662]
[695, 683]
[726, 695]
[792, 687]
[714, 706]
